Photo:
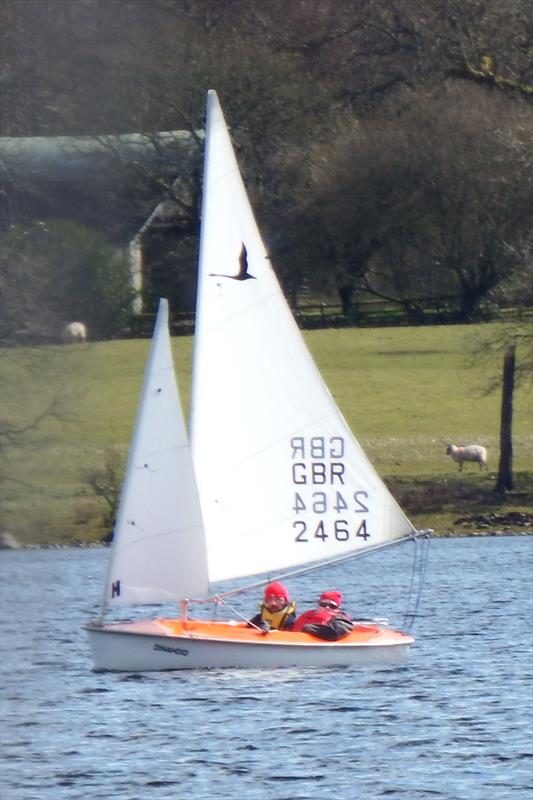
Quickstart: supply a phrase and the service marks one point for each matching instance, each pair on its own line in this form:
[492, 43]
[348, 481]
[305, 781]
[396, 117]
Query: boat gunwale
[394, 638]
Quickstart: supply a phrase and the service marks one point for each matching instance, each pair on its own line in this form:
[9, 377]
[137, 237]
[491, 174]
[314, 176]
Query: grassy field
[404, 391]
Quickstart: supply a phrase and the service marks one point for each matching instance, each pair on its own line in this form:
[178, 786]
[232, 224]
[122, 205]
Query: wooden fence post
[505, 468]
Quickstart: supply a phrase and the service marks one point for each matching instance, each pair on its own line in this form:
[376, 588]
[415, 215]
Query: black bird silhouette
[243, 274]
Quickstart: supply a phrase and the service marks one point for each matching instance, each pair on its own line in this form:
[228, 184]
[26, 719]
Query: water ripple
[453, 723]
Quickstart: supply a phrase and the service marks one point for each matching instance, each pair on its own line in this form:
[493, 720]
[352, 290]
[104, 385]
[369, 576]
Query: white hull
[146, 646]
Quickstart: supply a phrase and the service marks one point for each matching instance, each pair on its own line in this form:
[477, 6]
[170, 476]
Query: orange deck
[362, 634]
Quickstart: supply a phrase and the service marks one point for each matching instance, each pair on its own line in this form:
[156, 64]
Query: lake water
[453, 723]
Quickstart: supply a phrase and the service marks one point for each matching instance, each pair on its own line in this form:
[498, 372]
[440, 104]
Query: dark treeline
[387, 144]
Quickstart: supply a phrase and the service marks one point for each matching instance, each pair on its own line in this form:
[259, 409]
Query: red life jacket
[317, 616]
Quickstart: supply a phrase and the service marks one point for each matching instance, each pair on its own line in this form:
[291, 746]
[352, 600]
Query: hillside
[405, 392]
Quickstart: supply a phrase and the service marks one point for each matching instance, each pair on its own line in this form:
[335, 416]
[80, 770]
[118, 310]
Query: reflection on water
[453, 722]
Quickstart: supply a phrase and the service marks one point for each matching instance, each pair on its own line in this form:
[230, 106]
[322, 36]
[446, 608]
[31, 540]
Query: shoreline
[8, 542]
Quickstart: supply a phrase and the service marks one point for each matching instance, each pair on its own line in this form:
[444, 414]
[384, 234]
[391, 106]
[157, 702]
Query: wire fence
[366, 314]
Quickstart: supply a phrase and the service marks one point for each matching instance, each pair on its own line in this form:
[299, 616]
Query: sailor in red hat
[326, 621]
[277, 611]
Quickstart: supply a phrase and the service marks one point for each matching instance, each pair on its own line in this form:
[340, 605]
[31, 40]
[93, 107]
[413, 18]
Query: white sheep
[469, 452]
[74, 332]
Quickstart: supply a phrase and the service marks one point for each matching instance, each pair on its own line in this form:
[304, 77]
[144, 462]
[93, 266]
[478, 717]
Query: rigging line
[410, 612]
[220, 600]
[407, 614]
[421, 567]
[425, 558]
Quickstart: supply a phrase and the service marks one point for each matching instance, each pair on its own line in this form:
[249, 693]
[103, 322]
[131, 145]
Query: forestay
[282, 480]
[158, 545]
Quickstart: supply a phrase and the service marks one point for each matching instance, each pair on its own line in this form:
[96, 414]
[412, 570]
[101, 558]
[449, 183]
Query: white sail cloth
[158, 550]
[282, 480]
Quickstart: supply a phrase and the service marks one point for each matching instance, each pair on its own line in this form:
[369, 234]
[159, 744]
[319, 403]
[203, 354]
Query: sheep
[469, 452]
[74, 332]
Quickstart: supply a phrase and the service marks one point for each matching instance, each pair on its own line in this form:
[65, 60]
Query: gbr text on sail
[324, 503]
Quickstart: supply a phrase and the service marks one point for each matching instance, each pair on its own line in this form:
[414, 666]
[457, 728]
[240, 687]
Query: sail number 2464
[340, 529]
[319, 462]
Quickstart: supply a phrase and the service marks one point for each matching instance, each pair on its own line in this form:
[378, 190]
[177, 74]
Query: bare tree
[106, 482]
[434, 200]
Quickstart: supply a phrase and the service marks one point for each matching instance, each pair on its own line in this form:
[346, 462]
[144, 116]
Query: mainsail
[282, 480]
[158, 544]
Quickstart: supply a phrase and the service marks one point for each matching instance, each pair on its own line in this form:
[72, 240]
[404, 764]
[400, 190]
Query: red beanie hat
[276, 590]
[333, 597]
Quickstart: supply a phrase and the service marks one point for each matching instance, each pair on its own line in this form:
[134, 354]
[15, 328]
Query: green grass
[404, 391]
[407, 391]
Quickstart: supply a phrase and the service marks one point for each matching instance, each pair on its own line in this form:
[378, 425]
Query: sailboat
[270, 481]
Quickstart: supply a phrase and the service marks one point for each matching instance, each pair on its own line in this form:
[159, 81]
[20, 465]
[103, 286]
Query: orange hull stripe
[199, 629]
